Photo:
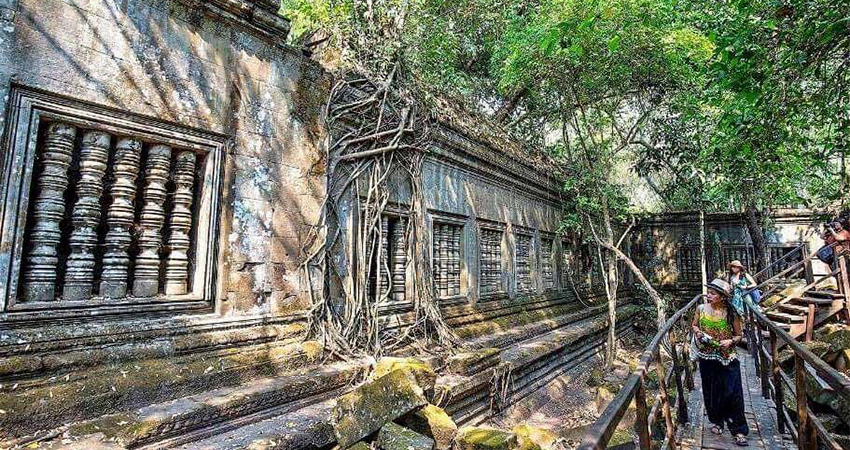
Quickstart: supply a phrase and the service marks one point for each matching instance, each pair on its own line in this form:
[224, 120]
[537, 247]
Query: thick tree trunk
[611, 290]
[653, 294]
[752, 218]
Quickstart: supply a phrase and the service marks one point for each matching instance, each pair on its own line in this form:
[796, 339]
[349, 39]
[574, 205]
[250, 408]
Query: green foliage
[719, 105]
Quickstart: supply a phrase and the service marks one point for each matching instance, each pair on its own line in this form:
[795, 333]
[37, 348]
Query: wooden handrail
[832, 377]
[784, 257]
[598, 435]
[809, 428]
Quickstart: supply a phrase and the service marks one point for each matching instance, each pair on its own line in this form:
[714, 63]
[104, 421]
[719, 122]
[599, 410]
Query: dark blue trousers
[723, 395]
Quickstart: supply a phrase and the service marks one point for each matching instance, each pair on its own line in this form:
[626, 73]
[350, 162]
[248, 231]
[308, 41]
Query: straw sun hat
[720, 286]
[738, 264]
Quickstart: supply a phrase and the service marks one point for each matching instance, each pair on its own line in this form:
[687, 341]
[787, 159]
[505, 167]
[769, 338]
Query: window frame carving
[500, 228]
[440, 218]
[530, 259]
[28, 108]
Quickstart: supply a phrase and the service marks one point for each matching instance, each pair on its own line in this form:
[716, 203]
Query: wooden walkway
[760, 413]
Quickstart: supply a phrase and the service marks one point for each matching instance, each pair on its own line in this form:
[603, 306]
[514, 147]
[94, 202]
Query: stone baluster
[455, 260]
[399, 260]
[177, 264]
[383, 259]
[39, 276]
[79, 272]
[119, 219]
[146, 272]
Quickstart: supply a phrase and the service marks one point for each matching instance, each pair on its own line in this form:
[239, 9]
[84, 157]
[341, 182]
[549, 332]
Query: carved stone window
[447, 262]
[524, 282]
[564, 265]
[105, 209]
[393, 270]
[689, 263]
[490, 251]
[547, 270]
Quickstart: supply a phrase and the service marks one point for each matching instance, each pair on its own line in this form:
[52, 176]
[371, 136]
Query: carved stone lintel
[79, 274]
[177, 264]
[146, 272]
[119, 218]
[39, 276]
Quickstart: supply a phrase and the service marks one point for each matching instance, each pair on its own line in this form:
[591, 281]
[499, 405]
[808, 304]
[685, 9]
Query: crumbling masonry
[162, 167]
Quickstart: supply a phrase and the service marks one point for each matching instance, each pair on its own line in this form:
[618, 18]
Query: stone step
[785, 318]
[812, 300]
[305, 428]
[825, 294]
[207, 413]
[793, 309]
[518, 334]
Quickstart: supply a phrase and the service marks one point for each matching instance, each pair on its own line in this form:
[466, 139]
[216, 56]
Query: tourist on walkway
[717, 330]
[741, 282]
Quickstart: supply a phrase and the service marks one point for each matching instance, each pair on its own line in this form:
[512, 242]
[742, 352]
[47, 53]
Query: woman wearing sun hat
[741, 281]
[717, 330]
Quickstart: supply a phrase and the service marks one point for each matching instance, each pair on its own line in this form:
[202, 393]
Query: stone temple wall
[195, 78]
[162, 166]
[668, 247]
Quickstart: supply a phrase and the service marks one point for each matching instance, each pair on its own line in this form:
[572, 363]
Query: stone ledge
[258, 15]
[158, 422]
[24, 359]
[113, 388]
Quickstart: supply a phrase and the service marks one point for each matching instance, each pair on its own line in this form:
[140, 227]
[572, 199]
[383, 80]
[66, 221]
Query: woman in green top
[717, 330]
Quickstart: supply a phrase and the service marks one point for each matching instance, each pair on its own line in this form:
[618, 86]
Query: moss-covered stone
[396, 437]
[469, 363]
[367, 408]
[786, 356]
[478, 438]
[535, 438]
[422, 372]
[361, 446]
[620, 438]
[838, 340]
[434, 422]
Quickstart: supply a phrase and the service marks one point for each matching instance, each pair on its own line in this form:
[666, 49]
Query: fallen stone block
[478, 438]
[838, 340]
[396, 437]
[434, 422]
[535, 438]
[367, 408]
[424, 374]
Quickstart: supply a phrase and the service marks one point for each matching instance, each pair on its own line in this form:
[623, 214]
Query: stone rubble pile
[394, 410]
[831, 343]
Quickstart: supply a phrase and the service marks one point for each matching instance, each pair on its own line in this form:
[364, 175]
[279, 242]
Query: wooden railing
[809, 430]
[808, 425]
[600, 432]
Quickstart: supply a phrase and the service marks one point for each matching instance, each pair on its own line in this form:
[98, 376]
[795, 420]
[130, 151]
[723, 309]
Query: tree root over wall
[378, 135]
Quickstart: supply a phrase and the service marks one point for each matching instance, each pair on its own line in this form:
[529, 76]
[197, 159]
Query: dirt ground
[571, 402]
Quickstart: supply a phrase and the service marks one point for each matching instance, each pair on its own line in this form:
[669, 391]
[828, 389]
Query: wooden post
[810, 274]
[641, 420]
[665, 404]
[682, 406]
[686, 360]
[778, 394]
[844, 284]
[810, 322]
[765, 374]
[803, 432]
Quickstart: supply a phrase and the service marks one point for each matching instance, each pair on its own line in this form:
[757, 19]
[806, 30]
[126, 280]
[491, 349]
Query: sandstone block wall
[667, 246]
[216, 67]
